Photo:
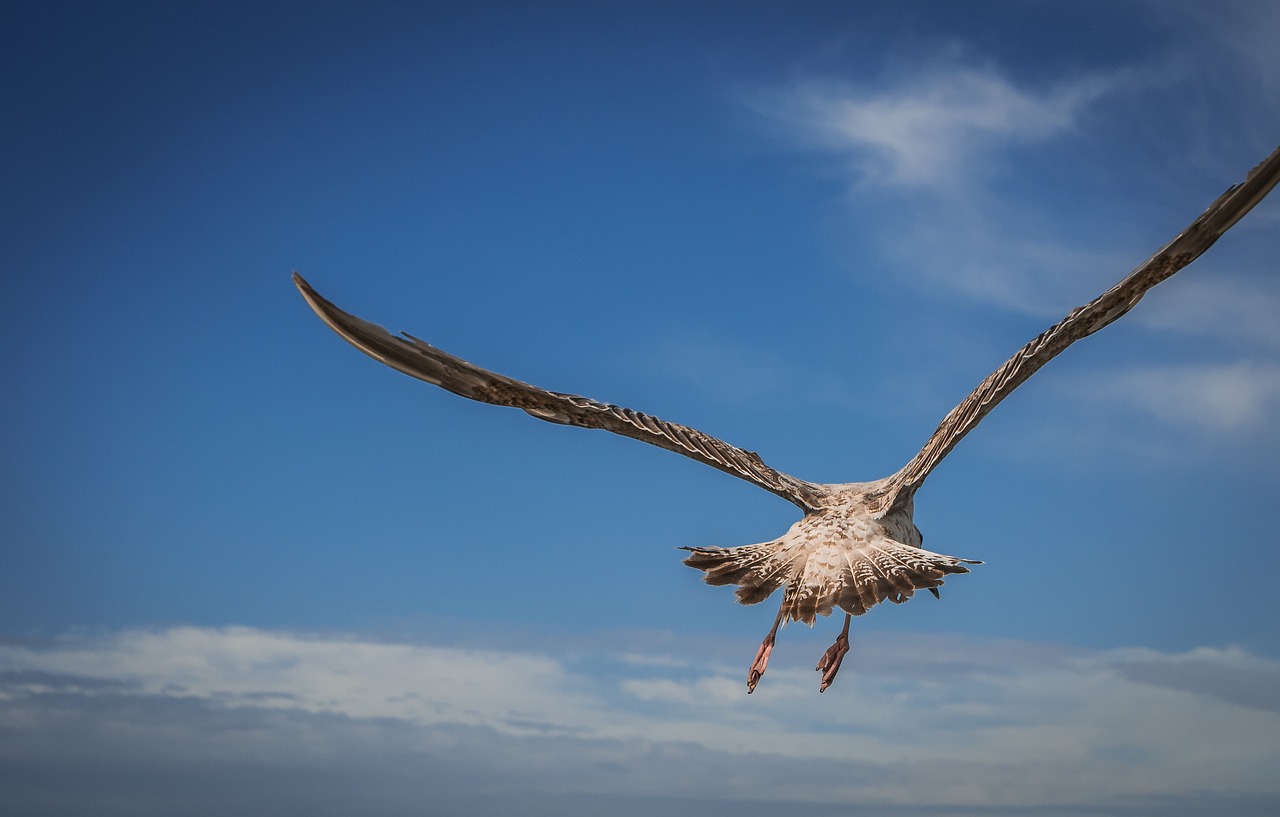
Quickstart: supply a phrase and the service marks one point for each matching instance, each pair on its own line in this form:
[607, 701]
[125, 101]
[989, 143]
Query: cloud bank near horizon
[927, 723]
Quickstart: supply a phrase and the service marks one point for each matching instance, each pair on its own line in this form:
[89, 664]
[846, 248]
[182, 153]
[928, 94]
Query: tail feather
[756, 569]
[854, 576]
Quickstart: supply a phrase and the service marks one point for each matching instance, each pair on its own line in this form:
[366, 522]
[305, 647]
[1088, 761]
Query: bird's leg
[762, 657]
[829, 664]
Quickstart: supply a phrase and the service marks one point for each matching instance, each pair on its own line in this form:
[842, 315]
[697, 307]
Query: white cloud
[942, 220]
[1218, 398]
[989, 254]
[927, 130]
[986, 724]
[1216, 306]
[930, 144]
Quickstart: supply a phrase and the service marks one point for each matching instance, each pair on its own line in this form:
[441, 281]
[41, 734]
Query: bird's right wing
[1084, 321]
[419, 359]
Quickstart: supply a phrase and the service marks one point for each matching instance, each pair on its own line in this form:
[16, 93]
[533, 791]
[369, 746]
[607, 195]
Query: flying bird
[856, 544]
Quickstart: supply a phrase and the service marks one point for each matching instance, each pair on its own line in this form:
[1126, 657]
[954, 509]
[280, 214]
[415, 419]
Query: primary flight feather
[856, 545]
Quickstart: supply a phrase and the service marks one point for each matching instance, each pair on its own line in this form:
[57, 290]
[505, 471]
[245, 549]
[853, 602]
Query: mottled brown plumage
[856, 545]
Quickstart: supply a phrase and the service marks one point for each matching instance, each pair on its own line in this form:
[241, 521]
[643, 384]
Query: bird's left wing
[1083, 321]
[419, 359]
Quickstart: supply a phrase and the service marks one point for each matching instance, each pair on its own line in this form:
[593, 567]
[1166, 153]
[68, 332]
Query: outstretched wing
[419, 359]
[1084, 321]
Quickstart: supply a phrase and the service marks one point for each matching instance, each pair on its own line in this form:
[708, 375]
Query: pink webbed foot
[758, 666]
[830, 662]
[762, 655]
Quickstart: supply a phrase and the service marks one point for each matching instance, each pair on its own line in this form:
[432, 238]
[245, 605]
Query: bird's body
[857, 543]
[845, 553]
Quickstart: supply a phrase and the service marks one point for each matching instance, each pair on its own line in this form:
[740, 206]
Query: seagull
[856, 544]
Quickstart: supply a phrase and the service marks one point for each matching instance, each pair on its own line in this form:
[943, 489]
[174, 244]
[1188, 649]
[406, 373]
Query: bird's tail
[854, 578]
[756, 569]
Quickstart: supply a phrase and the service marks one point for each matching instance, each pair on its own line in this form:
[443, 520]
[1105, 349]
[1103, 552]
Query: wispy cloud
[922, 153]
[1235, 397]
[1239, 32]
[926, 130]
[1220, 306]
[986, 724]
[933, 203]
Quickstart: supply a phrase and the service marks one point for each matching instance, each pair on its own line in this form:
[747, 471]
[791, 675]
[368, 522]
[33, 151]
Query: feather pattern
[419, 359]
[857, 544]
[832, 558]
[1083, 321]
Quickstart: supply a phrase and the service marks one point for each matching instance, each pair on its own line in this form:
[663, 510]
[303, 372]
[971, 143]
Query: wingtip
[318, 304]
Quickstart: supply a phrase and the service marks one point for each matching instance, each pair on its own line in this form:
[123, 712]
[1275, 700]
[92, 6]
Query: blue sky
[243, 560]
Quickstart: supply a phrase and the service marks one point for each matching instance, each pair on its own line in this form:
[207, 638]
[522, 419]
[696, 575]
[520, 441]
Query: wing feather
[1084, 321]
[423, 361]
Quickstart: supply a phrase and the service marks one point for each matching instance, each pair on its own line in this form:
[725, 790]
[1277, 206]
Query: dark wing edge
[1083, 321]
[423, 361]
